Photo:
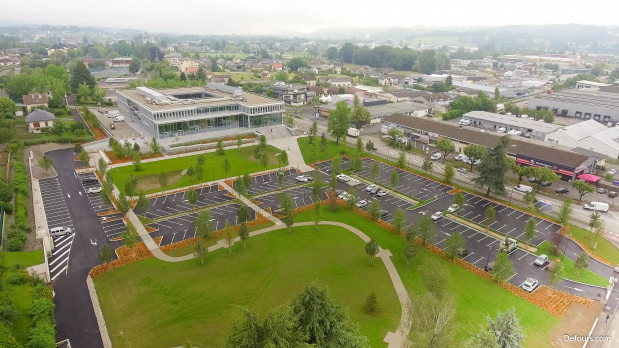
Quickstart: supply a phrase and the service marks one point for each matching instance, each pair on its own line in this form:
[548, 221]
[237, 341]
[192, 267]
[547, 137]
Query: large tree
[475, 152]
[287, 206]
[432, 321]
[80, 74]
[339, 122]
[493, 168]
[203, 225]
[446, 147]
[453, 244]
[582, 187]
[371, 248]
[507, 329]
[279, 329]
[543, 174]
[359, 115]
[503, 267]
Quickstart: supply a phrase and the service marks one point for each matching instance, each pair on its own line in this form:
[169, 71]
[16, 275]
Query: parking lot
[176, 203]
[57, 215]
[268, 182]
[183, 227]
[95, 198]
[301, 196]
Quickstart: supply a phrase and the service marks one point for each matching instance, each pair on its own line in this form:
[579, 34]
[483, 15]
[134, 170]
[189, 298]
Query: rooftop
[540, 151]
[40, 115]
[584, 129]
[513, 121]
[584, 97]
[593, 83]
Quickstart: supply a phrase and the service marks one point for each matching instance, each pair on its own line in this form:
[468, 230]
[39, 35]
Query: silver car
[530, 284]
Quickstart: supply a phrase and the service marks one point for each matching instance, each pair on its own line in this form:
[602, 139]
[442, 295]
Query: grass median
[604, 249]
[175, 302]
[241, 161]
[475, 296]
[568, 270]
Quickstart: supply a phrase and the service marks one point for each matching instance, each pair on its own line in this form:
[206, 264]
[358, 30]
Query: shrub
[42, 309]
[16, 278]
[16, 238]
[6, 338]
[21, 215]
[8, 208]
[20, 180]
[8, 313]
[42, 335]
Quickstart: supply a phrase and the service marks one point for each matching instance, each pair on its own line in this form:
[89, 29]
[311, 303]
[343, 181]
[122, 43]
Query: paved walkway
[249, 203]
[291, 146]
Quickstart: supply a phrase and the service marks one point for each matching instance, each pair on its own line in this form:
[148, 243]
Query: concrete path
[249, 203]
[291, 146]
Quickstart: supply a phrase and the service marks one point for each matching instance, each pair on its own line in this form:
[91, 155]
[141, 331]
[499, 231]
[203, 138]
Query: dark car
[562, 190]
[462, 252]
[546, 183]
[90, 181]
[612, 194]
[383, 214]
[489, 266]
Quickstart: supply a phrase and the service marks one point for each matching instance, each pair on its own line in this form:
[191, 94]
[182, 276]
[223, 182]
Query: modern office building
[192, 110]
[584, 104]
[529, 127]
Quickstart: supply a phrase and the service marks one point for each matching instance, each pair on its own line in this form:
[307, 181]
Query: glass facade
[201, 126]
[266, 120]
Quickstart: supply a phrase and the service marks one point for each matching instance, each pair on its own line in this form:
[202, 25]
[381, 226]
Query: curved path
[393, 339]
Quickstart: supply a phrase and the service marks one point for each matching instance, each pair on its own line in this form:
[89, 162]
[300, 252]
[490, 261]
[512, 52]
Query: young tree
[427, 165]
[352, 198]
[543, 174]
[226, 165]
[333, 199]
[374, 171]
[401, 159]
[106, 195]
[530, 230]
[229, 237]
[435, 277]
[200, 161]
[338, 122]
[582, 261]
[199, 173]
[531, 199]
[84, 157]
[192, 198]
[243, 213]
[163, 180]
[357, 164]
[449, 173]
[263, 141]
[503, 267]
[410, 251]
[285, 202]
[123, 204]
[316, 214]
[453, 244]
[220, 147]
[475, 152]
[283, 158]
[203, 225]
[374, 209]
[432, 320]
[565, 211]
[583, 188]
[395, 179]
[506, 329]
[154, 146]
[45, 162]
[313, 132]
[359, 145]
[323, 142]
[264, 160]
[200, 250]
[239, 142]
[489, 217]
[243, 233]
[360, 115]
[371, 248]
[143, 204]
[493, 168]
[459, 199]
[336, 165]
[371, 303]
[446, 147]
[102, 166]
[130, 185]
[129, 237]
[426, 230]
[398, 221]
[483, 339]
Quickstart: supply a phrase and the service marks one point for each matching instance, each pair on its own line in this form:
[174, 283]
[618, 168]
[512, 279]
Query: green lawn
[476, 297]
[311, 152]
[22, 258]
[569, 271]
[241, 162]
[604, 249]
[174, 302]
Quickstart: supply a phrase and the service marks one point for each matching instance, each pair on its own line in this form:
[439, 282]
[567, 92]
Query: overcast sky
[292, 17]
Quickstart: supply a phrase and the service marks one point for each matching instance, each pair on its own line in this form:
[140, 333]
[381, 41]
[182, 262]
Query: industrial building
[529, 127]
[380, 108]
[193, 110]
[566, 164]
[590, 136]
[583, 104]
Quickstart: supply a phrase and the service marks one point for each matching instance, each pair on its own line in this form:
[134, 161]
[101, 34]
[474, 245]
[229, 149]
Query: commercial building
[590, 136]
[493, 122]
[192, 110]
[379, 108]
[566, 164]
[583, 104]
[290, 94]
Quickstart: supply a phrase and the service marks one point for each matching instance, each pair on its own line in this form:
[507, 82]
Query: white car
[362, 204]
[436, 156]
[541, 260]
[530, 284]
[459, 157]
[302, 178]
[343, 177]
[345, 196]
[370, 188]
[94, 189]
[437, 216]
[453, 208]
[381, 193]
[462, 170]
[501, 130]
[612, 171]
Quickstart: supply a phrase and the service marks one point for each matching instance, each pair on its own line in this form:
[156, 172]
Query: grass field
[604, 249]
[476, 297]
[174, 302]
[241, 162]
[569, 271]
[311, 152]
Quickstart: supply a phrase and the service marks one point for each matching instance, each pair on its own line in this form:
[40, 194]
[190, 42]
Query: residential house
[385, 80]
[186, 63]
[387, 71]
[310, 80]
[191, 69]
[173, 58]
[35, 99]
[277, 66]
[397, 79]
[265, 74]
[290, 94]
[336, 69]
[220, 78]
[340, 81]
[39, 119]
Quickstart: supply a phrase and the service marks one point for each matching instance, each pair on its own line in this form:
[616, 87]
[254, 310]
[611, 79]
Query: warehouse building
[590, 136]
[193, 110]
[583, 104]
[529, 127]
[566, 164]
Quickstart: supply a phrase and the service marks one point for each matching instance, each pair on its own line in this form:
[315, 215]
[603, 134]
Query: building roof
[592, 83]
[339, 79]
[583, 97]
[584, 129]
[514, 121]
[309, 78]
[610, 89]
[35, 99]
[39, 116]
[538, 151]
[191, 69]
[316, 89]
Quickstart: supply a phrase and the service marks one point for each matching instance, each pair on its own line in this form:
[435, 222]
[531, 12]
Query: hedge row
[20, 180]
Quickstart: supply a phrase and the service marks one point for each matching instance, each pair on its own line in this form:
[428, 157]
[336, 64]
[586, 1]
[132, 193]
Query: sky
[267, 17]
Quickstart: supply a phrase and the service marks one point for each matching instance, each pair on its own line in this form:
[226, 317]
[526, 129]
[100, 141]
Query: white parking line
[512, 277]
[59, 257]
[60, 272]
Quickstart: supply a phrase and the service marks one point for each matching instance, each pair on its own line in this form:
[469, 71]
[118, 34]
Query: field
[174, 302]
[311, 152]
[241, 162]
[475, 296]
[604, 249]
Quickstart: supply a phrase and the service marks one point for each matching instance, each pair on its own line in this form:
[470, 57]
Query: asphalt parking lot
[176, 203]
[57, 215]
[95, 198]
[182, 227]
[301, 196]
[268, 182]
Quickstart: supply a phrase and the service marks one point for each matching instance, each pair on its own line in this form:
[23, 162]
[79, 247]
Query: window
[606, 118]
[597, 117]
[587, 115]
[578, 114]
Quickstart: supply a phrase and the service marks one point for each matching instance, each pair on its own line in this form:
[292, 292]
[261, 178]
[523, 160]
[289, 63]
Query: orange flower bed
[125, 256]
[115, 160]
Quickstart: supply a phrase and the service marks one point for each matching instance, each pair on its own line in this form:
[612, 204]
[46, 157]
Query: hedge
[20, 180]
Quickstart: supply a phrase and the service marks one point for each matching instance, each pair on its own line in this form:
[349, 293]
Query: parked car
[489, 266]
[362, 204]
[383, 214]
[546, 183]
[612, 171]
[345, 196]
[612, 194]
[561, 190]
[437, 216]
[436, 156]
[370, 188]
[530, 284]
[501, 130]
[541, 260]
[533, 180]
[601, 190]
[508, 245]
[94, 189]
[302, 178]
[375, 190]
[453, 208]
[462, 252]
[462, 170]
[343, 177]
[459, 157]
[381, 193]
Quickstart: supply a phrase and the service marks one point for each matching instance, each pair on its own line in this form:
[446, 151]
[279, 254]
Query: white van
[113, 113]
[523, 188]
[597, 206]
[119, 118]
[465, 122]
[60, 231]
